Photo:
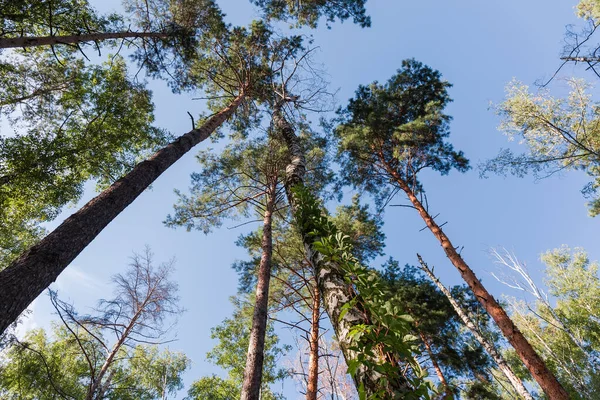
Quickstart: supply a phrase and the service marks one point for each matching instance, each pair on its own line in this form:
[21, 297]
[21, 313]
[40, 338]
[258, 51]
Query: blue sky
[479, 47]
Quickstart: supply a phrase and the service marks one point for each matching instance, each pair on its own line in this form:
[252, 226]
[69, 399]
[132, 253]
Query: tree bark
[97, 388]
[540, 372]
[28, 41]
[438, 371]
[313, 360]
[516, 383]
[256, 348]
[330, 278]
[27, 277]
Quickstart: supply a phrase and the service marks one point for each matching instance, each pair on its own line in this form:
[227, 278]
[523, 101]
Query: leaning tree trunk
[256, 348]
[27, 277]
[312, 386]
[436, 366]
[330, 278]
[29, 41]
[534, 363]
[516, 383]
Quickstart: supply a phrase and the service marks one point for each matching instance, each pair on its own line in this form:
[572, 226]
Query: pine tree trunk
[256, 348]
[330, 278]
[27, 41]
[515, 382]
[27, 277]
[528, 355]
[313, 361]
[438, 370]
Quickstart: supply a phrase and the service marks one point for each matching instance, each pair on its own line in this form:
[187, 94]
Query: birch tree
[559, 134]
[562, 321]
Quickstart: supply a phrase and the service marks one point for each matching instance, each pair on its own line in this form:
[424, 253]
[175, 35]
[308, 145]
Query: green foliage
[559, 134]
[588, 9]
[96, 125]
[567, 333]
[309, 12]
[362, 228]
[388, 327]
[233, 336]
[397, 128]
[41, 367]
[463, 361]
[51, 18]
[214, 388]
[232, 184]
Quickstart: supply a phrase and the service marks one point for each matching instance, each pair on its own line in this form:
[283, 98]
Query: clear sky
[478, 46]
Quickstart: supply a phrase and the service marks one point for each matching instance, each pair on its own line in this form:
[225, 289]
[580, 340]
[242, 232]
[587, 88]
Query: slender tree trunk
[330, 278]
[438, 370]
[516, 383]
[256, 348]
[97, 388]
[27, 41]
[27, 277]
[313, 361]
[534, 363]
[102, 390]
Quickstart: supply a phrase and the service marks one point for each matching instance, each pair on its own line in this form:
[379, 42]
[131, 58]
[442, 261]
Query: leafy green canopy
[51, 18]
[396, 130]
[44, 368]
[566, 330]
[308, 12]
[559, 134]
[96, 125]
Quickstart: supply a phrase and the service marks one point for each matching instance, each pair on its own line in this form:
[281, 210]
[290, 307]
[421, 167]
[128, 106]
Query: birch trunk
[256, 348]
[515, 382]
[330, 278]
[27, 277]
[534, 363]
[313, 360]
[28, 41]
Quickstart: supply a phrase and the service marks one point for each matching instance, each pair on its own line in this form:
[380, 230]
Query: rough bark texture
[26, 41]
[256, 348]
[330, 278]
[312, 386]
[527, 354]
[27, 277]
[516, 383]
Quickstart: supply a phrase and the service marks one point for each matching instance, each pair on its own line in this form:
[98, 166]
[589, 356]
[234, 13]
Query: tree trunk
[27, 41]
[27, 277]
[528, 355]
[102, 389]
[97, 388]
[516, 383]
[334, 289]
[313, 361]
[256, 348]
[438, 371]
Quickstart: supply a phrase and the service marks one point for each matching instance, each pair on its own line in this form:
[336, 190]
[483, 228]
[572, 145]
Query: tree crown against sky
[309, 12]
[399, 126]
[559, 134]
